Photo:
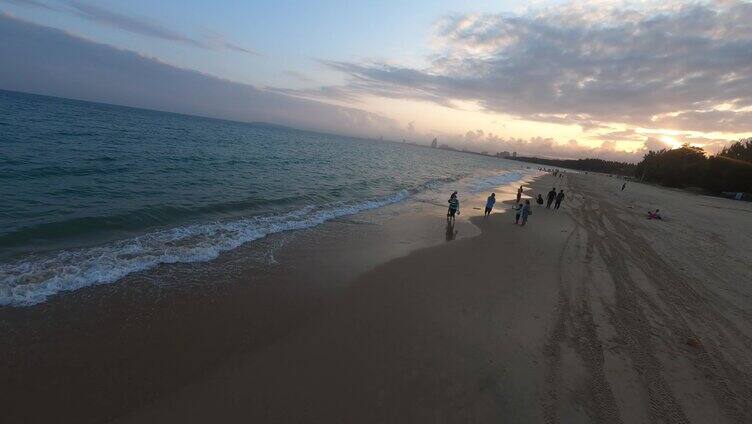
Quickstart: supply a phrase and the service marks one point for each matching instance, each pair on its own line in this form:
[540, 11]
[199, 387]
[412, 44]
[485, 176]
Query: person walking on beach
[539, 200]
[559, 198]
[551, 196]
[517, 212]
[623, 185]
[525, 211]
[490, 204]
[519, 194]
[454, 206]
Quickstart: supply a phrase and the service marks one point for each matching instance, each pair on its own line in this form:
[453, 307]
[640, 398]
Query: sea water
[90, 193]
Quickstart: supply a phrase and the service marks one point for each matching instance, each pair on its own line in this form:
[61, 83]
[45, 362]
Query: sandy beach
[244, 212]
[591, 313]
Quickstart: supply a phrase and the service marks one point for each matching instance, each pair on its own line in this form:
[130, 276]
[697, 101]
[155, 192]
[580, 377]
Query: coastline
[590, 313]
[153, 332]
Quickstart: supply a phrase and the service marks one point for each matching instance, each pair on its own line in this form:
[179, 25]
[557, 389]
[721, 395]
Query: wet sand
[588, 314]
[95, 354]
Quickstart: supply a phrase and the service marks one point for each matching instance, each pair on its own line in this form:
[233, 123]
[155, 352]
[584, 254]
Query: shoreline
[29, 277]
[151, 333]
[589, 313]
[386, 342]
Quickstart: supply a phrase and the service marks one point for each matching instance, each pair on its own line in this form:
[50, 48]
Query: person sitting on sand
[519, 194]
[454, 206]
[490, 204]
[539, 200]
[551, 197]
[654, 215]
[525, 211]
[559, 198]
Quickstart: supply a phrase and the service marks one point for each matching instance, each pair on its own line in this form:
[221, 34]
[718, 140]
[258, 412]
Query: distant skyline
[603, 78]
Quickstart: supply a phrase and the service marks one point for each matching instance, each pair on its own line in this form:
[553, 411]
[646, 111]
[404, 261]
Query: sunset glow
[617, 80]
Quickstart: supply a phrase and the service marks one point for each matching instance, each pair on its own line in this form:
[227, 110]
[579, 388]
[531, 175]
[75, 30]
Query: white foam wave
[32, 281]
[486, 183]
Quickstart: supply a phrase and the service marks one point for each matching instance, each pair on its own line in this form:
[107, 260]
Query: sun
[672, 142]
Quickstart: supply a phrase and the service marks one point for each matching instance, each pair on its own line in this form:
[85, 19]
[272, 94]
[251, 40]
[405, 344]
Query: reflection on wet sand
[451, 233]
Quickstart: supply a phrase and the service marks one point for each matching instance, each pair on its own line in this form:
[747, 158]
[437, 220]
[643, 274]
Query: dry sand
[588, 314]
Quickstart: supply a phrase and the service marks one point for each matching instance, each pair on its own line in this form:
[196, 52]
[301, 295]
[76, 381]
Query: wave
[76, 133]
[102, 159]
[486, 183]
[129, 221]
[61, 171]
[33, 280]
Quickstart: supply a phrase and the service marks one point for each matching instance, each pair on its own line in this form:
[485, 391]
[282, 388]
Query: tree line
[589, 165]
[729, 170]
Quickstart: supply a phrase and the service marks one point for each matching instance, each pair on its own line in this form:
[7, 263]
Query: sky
[602, 78]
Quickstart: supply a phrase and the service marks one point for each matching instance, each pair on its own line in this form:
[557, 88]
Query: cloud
[45, 60]
[380, 80]
[299, 76]
[623, 135]
[134, 24]
[140, 25]
[587, 65]
[711, 120]
[217, 41]
[33, 3]
[479, 140]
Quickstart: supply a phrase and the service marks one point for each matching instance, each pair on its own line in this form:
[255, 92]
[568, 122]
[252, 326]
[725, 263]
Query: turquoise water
[93, 192]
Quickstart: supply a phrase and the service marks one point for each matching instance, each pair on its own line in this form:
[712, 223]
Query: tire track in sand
[674, 303]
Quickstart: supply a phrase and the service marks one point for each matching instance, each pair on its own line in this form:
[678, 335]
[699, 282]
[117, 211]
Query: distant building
[435, 143]
[514, 154]
[504, 154]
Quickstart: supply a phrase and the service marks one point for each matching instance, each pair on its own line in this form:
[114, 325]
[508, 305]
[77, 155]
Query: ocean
[92, 192]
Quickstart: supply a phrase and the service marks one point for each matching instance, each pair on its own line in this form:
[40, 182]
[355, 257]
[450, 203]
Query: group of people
[522, 210]
[553, 197]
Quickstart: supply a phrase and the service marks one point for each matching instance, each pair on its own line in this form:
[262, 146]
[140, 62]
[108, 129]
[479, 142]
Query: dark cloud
[587, 65]
[133, 24]
[711, 120]
[44, 60]
[136, 25]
